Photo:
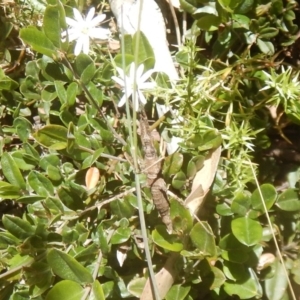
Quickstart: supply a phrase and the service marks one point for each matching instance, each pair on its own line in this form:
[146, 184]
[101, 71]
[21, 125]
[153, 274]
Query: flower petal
[99, 33]
[131, 71]
[145, 76]
[122, 101]
[71, 22]
[86, 44]
[73, 34]
[77, 15]
[147, 85]
[139, 72]
[142, 97]
[136, 101]
[90, 14]
[98, 19]
[118, 80]
[78, 47]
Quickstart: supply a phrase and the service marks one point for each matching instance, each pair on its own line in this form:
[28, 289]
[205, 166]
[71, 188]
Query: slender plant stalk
[273, 234]
[133, 142]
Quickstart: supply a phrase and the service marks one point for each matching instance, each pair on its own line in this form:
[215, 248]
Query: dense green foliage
[67, 184]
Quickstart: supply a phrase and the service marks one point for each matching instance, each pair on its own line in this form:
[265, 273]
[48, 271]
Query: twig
[175, 23]
[99, 205]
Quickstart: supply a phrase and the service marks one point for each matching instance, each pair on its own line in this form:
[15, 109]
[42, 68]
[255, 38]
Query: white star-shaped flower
[127, 83]
[82, 30]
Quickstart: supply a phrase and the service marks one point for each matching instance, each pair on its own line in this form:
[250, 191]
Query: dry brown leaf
[164, 279]
[201, 184]
[203, 181]
[92, 177]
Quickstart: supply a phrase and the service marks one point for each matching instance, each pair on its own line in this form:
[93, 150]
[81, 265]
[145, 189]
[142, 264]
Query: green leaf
[61, 92]
[223, 209]
[167, 241]
[288, 200]
[9, 191]
[240, 204]
[234, 251]
[7, 239]
[275, 286]
[244, 289]
[145, 49]
[95, 92]
[127, 58]
[38, 41]
[265, 47]
[194, 165]
[235, 271]
[267, 33]
[178, 292]
[51, 25]
[6, 83]
[181, 217]
[52, 136]
[203, 238]
[172, 164]
[247, 231]
[88, 73]
[97, 291]
[82, 62]
[136, 286]
[23, 127]
[121, 235]
[72, 93]
[122, 208]
[209, 22]
[40, 184]
[30, 199]
[18, 227]
[209, 140]
[179, 180]
[269, 195]
[66, 267]
[11, 171]
[66, 290]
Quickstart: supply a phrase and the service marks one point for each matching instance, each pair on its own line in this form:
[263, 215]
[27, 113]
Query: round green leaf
[165, 240]
[275, 287]
[66, 290]
[181, 217]
[121, 235]
[265, 47]
[98, 291]
[203, 238]
[247, 231]
[269, 195]
[178, 292]
[52, 136]
[240, 204]
[136, 286]
[172, 164]
[66, 267]
[179, 180]
[194, 165]
[289, 200]
[244, 289]
[223, 209]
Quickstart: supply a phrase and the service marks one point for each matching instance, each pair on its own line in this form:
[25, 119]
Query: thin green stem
[134, 143]
[273, 234]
